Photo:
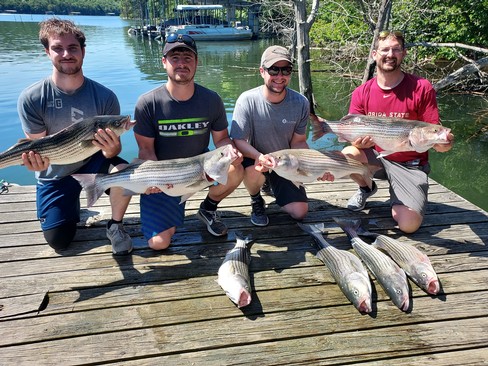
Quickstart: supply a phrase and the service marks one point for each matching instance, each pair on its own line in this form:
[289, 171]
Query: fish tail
[349, 226]
[92, 189]
[319, 128]
[316, 231]
[244, 241]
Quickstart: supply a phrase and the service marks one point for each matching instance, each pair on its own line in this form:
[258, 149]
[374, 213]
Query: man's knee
[59, 238]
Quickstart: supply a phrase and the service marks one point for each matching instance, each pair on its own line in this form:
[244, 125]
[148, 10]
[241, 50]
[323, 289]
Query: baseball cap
[179, 41]
[274, 54]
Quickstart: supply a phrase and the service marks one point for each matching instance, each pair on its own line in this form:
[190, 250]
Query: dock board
[86, 307]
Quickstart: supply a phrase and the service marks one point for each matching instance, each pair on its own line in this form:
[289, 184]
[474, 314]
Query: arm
[146, 147]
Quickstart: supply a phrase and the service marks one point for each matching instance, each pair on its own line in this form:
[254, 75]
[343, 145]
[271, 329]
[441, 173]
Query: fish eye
[398, 291]
[356, 292]
[423, 275]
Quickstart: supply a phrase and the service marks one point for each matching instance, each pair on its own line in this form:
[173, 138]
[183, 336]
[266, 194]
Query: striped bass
[390, 134]
[175, 177]
[233, 274]
[70, 145]
[416, 264]
[347, 269]
[390, 276]
[307, 165]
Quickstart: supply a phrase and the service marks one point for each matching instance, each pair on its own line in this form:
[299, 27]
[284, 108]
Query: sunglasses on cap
[386, 33]
[275, 70]
[181, 38]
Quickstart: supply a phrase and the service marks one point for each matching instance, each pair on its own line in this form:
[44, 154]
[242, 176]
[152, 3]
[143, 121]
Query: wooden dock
[86, 307]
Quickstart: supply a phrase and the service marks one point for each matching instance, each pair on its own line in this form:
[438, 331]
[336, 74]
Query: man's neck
[68, 83]
[180, 92]
[389, 80]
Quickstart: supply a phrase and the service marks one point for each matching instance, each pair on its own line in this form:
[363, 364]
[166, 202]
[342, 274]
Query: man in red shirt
[394, 93]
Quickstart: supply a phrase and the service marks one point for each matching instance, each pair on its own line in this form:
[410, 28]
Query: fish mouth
[128, 124]
[405, 305]
[433, 287]
[364, 307]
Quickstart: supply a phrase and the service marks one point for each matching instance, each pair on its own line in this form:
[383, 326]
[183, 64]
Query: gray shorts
[409, 183]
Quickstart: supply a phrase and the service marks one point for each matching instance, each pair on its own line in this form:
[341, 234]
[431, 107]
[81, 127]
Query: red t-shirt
[414, 98]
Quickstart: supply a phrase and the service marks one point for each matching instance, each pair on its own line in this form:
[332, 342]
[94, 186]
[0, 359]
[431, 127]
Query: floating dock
[86, 307]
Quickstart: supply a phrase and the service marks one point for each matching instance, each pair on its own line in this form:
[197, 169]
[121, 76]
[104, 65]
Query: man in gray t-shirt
[268, 118]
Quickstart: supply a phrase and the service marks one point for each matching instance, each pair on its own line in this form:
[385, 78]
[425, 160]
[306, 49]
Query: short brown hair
[56, 26]
[390, 34]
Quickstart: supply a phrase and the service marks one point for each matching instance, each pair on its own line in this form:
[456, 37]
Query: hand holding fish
[264, 163]
[445, 147]
[35, 162]
[108, 142]
[328, 176]
[363, 142]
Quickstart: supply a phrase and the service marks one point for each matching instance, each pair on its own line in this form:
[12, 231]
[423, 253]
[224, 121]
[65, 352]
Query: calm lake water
[131, 66]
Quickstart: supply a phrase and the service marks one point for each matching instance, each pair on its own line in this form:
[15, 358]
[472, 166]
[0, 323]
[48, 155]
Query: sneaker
[258, 214]
[121, 241]
[212, 219]
[358, 201]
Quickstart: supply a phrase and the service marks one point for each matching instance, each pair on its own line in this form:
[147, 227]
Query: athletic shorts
[160, 212]
[284, 190]
[58, 201]
[409, 183]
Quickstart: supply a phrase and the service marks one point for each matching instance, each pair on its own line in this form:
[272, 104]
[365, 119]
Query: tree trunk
[303, 26]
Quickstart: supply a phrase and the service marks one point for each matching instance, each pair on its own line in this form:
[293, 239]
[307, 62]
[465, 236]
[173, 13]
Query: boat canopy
[198, 7]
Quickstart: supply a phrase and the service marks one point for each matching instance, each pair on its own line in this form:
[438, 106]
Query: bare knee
[297, 210]
[162, 240]
[408, 220]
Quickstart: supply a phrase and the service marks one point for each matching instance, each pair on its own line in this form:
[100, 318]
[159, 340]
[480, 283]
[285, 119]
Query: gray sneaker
[215, 226]
[358, 201]
[258, 214]
[121, 241]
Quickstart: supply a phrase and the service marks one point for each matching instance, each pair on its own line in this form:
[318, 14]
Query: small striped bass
[70, 145]
[389, 275]
[233, 274]
[175, 177]
[347, 269]
[416, 264]
[390, 134]
[307, 165]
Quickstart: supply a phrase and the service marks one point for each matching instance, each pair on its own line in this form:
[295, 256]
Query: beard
[68, 69]
[389, 66]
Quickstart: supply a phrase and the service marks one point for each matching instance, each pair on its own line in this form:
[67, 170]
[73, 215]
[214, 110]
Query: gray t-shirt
[266, 126]
[181, 129]
[43, 107]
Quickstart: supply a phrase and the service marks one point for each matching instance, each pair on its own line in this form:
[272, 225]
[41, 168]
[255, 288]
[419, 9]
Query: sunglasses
[275, 70]
[386, 33]
[181, 38]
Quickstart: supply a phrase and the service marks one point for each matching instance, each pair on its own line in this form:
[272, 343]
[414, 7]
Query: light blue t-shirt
[266, 126]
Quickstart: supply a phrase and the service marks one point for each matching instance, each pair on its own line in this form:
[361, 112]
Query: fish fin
[247, 240]
[185, 197]
[384, 153]
[92, 189]
[316, 231]
[319, 128]
[128, 192]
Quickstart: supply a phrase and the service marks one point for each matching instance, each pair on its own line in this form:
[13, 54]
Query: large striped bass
[70, 145]
[175, 177]
[390, 134]
[347, 269]
[307, 165]
[233, 274]
[389, 275]
[416, 264]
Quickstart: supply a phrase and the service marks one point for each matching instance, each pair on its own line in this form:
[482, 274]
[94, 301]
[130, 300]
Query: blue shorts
[58, 201]
[285, 191]
[160, 212]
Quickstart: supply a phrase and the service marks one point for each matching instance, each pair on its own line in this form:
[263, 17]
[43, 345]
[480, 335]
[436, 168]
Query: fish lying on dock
[233, 274]
[70, 145]
[390, 276]
[175, 177]
[307, 165]
[347, 269]
[416, 264]
[390, 134]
